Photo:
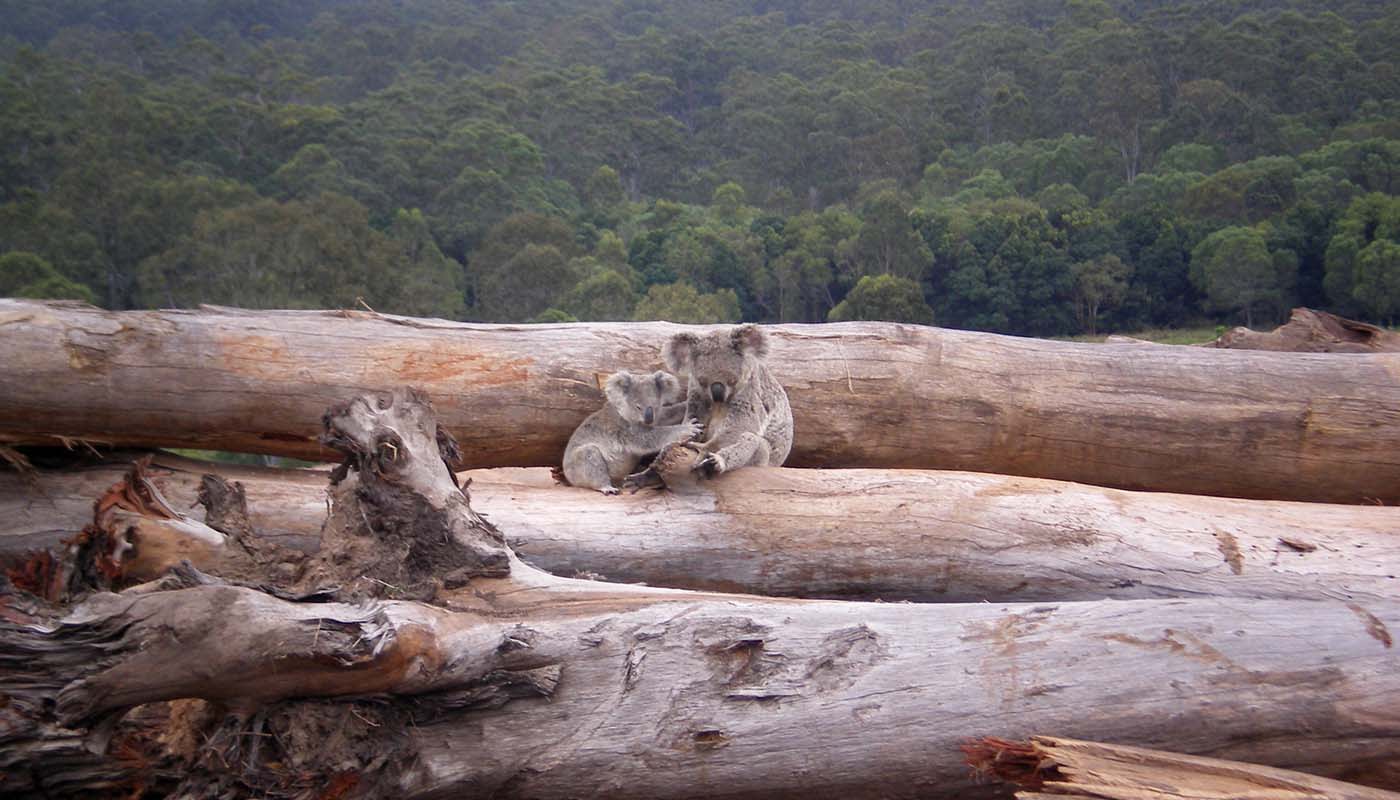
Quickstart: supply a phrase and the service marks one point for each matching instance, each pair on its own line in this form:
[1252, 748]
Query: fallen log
[706, 696]
[888, 534]
[1198, 421]
[519, 683]
[1053, 767]
[1312, 331]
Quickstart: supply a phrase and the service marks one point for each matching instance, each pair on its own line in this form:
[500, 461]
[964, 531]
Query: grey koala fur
[640, 417]
[748, 421]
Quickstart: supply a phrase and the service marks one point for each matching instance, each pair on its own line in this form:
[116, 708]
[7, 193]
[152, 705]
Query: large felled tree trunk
[1193, 420]
[442, 647]
[888, 534]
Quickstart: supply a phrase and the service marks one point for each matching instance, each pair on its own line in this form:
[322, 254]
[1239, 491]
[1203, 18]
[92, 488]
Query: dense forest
[1025, 166]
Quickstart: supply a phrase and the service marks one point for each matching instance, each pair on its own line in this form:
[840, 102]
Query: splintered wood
[1048, 767]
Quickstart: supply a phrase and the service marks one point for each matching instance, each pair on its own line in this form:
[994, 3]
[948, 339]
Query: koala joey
[748, 421]
[642, 416]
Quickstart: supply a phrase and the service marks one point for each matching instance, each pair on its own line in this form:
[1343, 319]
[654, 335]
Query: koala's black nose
[717, 392]
[649, 415]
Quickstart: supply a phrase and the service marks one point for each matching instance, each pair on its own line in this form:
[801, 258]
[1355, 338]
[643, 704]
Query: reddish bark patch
[39, 574]
[1015, 762]
[1374, 626]
[1230, 549]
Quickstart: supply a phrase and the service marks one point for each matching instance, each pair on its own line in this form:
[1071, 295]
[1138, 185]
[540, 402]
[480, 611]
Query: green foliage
[1004, 267]
[319, 253]
[1363, 235]
[553, 315]
[421, 282]
[1098, 284]
[680, 302]
[27, 275]
[506, 161]
[728, 203]
[885, 298]
[887, 243]
[1235, 270]
[523, 267]
[1378, 279]
[605, 296]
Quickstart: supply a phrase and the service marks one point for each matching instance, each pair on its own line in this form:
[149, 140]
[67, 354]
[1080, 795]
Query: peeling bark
[1192, 420]
[131, 535]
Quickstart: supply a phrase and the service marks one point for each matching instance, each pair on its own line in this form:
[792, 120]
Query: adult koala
[748, 421]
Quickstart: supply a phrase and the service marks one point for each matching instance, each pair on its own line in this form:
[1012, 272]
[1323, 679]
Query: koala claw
[709, 466]
[696, 428]
[646, 479]
[609, 490]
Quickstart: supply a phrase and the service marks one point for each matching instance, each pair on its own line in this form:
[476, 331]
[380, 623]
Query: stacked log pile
[372, 629]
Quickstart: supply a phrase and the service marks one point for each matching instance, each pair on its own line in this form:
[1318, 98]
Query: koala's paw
[609, 490]
[646, 479]
[694, 428]
[709, 466]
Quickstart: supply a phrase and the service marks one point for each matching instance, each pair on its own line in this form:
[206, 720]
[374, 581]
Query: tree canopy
[1030, 168]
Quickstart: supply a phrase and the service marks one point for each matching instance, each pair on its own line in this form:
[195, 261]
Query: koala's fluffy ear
[749, 339]
[617, 387]
[666, 384]
[678, 351]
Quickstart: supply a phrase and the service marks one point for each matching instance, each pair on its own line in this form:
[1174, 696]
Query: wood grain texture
[671, 694]
[1193, 420]
[889, 534]
[1055, 767]
[744, 698]
[658, 693]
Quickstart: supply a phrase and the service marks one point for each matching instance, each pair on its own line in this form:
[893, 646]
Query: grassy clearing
[1158, 335]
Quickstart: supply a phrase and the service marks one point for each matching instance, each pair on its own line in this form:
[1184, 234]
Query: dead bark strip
[1198, 421]
[893, 535]
[1053, 767]
[1310, 331]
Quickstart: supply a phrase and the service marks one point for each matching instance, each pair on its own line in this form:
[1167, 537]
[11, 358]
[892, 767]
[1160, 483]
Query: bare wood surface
[889, 534]
[1192, 420]
[1055, 767]
[688, 696]
[1312, 331]
[645, 692]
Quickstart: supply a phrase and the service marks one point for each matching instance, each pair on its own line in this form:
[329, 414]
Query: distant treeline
[1024, 166]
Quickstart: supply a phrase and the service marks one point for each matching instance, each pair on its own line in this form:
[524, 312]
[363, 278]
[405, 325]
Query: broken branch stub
[1048, 767]
[405, 523]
